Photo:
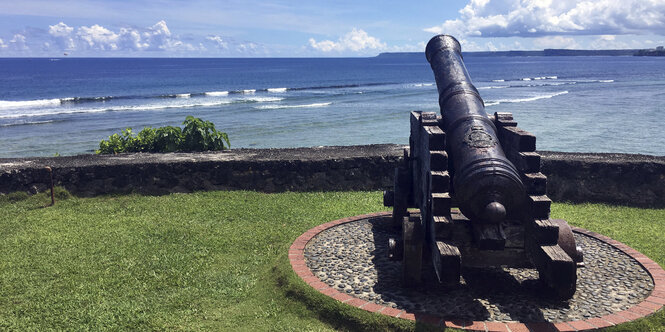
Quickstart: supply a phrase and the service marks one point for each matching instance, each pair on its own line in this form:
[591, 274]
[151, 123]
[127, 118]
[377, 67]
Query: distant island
[659, 51]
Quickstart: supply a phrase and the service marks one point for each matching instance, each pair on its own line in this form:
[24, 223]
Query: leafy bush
[197, 135]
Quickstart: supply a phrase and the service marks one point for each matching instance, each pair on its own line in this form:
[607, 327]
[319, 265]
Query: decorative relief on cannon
[476, 184]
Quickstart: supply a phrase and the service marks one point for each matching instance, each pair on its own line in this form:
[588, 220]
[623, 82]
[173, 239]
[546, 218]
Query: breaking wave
[274, 107]
[202, 102]
[7, 104]
[524, 100]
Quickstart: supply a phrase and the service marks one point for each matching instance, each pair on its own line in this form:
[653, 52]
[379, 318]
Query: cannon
[469, 191]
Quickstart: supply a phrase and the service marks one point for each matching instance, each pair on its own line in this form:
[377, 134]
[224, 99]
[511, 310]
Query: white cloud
[127, 39]
[158, 37]
[60, 30]
[536, 18]
[18, 43]
[130, 39]
[98, 37]
[62, 33]
[357, 40]
[218, 41]
[2, 44]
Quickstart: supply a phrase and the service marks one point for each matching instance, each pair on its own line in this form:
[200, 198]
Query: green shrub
[197, 135]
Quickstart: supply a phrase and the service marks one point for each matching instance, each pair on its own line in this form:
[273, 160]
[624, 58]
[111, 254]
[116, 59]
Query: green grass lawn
[207, 261]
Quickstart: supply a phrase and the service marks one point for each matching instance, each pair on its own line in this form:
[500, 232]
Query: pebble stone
[353, 258]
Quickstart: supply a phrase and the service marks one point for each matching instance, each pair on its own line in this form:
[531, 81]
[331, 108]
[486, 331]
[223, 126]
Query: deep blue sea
[66, 106]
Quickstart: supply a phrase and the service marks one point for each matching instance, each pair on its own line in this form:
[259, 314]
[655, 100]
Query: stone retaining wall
[577, 177]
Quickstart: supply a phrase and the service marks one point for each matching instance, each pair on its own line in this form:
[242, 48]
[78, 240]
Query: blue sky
[200, 28]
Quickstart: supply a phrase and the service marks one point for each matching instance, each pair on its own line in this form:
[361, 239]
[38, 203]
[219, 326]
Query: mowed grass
[207, 260]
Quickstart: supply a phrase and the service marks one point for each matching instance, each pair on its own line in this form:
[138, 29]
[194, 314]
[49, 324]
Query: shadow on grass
[337, 315]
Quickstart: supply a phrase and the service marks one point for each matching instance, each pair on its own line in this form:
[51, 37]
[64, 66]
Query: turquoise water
[66, 106]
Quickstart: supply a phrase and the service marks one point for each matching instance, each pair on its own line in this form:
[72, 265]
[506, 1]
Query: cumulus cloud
[2, 44]
[158, 37]
[97, 37]
[355, 41]
[62, 35]
[18, 43]
[537, 18]
[218, 42]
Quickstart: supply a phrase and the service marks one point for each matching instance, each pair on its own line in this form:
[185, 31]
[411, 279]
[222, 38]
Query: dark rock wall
[576, 177]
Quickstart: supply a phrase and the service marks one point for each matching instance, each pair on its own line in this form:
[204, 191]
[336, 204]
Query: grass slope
[206, 261]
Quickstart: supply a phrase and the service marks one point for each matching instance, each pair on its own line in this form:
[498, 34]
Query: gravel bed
[353, 258]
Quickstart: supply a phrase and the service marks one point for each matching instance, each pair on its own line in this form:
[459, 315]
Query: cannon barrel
[485, 184]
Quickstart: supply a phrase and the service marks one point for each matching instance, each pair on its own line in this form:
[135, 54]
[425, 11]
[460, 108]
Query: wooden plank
[504, 119]
[437, 138]
[543, 231]
[413, 237]
[428, 119]
[443, 227]
[414, 133]
[516, 139]
[440, 181]
[525, 162]
[440, 204]
[401, 199]
[539, 206]
[489, 236]
[535, 183]
[438, 161]
[447, 262]
[555, 268]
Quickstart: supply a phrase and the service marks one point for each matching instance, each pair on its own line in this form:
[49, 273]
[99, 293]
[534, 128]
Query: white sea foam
[493, 87]
[183, 95]
[20, 123]
[274, 107]
[277, 90]
[526, 79]
[552, 77]
[8, 104]
[523, 100]
[260, 99]
[248, 91]
[35, 112]
[217, 93]
[498, 80]
[606, 81]
[418, 85]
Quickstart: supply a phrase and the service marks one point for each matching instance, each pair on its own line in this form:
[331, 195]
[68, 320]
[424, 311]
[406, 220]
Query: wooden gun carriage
[488, 169]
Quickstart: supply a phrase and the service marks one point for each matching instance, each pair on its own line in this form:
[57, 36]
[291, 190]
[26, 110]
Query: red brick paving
[517, 327]
[615, 319]
[496, 327]
[372, 307]
[652, 304]
[581, 325]
[356, 302]
[564, 327]
[475, 326]
[457, 324]
[600, 323]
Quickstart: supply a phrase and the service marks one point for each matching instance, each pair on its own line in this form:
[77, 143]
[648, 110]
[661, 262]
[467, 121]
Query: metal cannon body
[475, 181]
[486, 185]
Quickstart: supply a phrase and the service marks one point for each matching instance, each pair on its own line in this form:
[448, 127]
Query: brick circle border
[650, 305]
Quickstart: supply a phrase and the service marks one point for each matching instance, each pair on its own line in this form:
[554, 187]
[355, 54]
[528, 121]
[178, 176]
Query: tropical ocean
[576, 104]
